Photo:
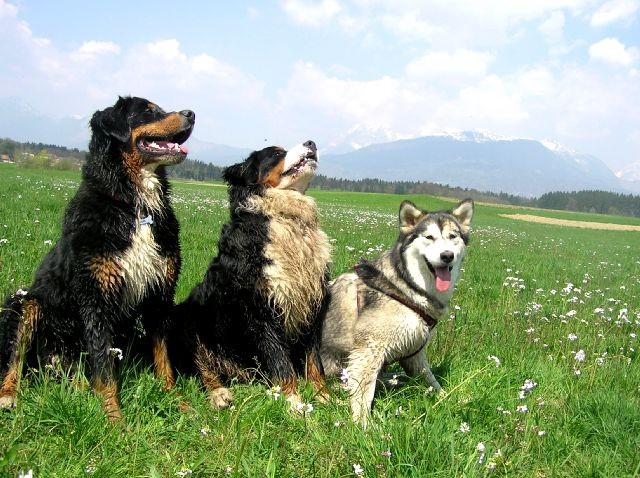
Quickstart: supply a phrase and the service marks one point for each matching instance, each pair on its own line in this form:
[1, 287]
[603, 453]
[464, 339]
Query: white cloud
[490, 102]
[355, 100]
[92, 50]
[312, 14]
[460, 66]
[612, 51]
[452, 24]
[8, 10]
[615, 11]
[538, 81]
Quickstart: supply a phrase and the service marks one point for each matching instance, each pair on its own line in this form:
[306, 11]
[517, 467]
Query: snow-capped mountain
[359, 136]
[472, 159]
[478, 160]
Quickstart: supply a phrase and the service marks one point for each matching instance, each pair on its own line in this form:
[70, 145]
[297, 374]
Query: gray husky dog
[386, 310]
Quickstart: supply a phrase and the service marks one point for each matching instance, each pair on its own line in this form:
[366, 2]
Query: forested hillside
[38, 155]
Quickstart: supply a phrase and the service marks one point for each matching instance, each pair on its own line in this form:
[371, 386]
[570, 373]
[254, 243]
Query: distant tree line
[39, 155]
[195, 170]
[601, 202]
[416, 187]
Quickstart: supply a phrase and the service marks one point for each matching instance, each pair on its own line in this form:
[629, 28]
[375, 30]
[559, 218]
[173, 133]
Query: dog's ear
[233, 175]
[112, 121]
[463, 212]
[409, 216]
[244, 173]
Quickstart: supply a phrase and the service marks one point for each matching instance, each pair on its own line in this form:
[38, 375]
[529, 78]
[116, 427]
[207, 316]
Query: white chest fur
[143, 267]
[407, 335]
[299, 255]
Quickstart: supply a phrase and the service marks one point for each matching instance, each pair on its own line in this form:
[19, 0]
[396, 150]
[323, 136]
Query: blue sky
[342, 72]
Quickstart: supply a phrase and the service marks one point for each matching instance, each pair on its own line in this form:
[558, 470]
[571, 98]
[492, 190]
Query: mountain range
[470, 159]
[480, 161]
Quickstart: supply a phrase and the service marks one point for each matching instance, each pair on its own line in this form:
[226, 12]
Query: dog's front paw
[296, 405]
[220, 398]
[323, 396]
[7, 402]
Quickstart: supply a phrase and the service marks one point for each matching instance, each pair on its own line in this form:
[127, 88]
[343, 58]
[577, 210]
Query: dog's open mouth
[309, 160]
[165, 146]
[442, 275]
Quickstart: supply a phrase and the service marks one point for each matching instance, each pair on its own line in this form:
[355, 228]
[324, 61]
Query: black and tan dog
[116, 264]
[259, 302]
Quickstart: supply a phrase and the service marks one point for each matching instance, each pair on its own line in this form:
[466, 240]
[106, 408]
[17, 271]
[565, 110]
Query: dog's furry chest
[407, 333]
[131, 274]
[298, 254]
[143, 265]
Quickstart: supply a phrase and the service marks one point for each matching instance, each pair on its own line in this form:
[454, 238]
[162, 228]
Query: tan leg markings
[317, 378]
[109, 394]
[30, 316]
[162, 364]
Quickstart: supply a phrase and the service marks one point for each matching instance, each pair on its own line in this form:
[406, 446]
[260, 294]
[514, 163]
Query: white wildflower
[274, 392]
[304, 408]
[580, 356]
[464, 427]
[495, 359]
[357, 469]
[528, 385]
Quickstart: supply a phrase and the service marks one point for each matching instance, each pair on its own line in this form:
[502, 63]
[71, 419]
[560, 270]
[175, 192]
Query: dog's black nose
[311, 145]
[190, 115]
[446, 256]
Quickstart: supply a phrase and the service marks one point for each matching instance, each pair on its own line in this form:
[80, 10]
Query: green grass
[513, 302]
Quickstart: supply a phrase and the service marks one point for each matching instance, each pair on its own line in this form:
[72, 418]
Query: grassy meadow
[539, 361]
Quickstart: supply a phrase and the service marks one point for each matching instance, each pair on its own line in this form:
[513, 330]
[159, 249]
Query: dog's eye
[452, 235]
[430, 238]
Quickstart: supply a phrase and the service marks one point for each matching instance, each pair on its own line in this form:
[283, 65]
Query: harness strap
[374, 279]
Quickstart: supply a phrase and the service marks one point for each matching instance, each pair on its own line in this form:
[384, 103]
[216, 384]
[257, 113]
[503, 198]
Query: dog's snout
[311, 145]
[446, 256]
[190, 115]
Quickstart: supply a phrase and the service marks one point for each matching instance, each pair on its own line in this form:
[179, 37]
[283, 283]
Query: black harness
[373, 278]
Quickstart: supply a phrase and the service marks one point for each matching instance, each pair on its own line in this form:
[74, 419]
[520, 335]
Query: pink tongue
[443, 278]
[182, 148]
